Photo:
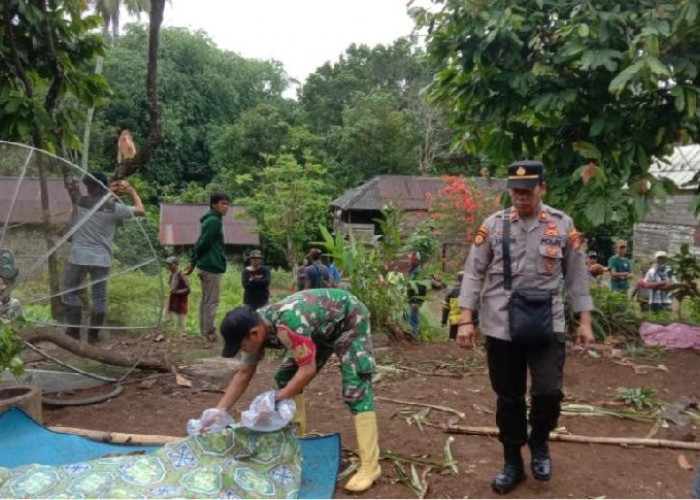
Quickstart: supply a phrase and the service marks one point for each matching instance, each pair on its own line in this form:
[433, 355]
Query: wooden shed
[180, 226]
[356, 209]
[667, 228]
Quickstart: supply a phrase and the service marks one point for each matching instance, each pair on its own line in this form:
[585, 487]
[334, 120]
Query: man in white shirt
[656, 281]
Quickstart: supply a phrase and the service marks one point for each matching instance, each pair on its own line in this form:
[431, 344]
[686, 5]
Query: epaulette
[553, 211]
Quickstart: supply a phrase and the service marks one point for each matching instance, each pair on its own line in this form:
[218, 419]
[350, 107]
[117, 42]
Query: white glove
[213, 420]
[265, 414]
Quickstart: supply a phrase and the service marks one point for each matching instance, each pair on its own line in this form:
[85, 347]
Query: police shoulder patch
[554, 212]
[481, 235]
[575, 239]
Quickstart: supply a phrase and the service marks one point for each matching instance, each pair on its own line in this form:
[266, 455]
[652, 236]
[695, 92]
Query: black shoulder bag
[530, 318]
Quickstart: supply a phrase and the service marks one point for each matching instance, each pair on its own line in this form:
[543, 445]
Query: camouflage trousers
[354, 349]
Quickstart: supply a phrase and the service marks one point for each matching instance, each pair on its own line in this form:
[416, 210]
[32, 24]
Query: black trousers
[508, 364]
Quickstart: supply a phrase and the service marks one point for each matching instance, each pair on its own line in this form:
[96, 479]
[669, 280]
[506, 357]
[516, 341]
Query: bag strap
[505, 243]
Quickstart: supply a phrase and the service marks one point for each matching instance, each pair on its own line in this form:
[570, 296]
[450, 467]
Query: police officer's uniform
[543, 249]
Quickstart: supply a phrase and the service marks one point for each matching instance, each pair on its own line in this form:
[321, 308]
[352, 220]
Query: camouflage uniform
[313, 324]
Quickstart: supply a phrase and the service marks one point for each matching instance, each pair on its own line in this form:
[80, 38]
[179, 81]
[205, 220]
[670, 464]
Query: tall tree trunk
[155, 110]
[99, 66]
[291, 260]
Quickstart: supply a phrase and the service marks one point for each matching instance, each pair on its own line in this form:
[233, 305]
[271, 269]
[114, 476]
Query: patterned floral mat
[237, 463]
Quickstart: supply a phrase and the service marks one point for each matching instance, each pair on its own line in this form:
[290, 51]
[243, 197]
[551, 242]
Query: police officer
[544, 245]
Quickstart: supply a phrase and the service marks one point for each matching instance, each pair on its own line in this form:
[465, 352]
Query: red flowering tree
[458, 210]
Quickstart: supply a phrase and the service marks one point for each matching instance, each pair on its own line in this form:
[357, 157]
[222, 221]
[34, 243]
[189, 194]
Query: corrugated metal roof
[407, 191]
[27, 206]
[179, 225]
[680, 167]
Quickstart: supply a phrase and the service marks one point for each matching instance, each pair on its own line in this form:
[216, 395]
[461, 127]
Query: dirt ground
[156, 404]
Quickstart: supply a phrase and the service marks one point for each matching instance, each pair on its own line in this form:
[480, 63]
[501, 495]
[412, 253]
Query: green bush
[615, 314]
[367, 271]
[11, 345]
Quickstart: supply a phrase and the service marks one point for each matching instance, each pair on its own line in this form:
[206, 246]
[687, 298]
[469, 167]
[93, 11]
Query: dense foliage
[595, 90]
[44, 85]
[202, 89]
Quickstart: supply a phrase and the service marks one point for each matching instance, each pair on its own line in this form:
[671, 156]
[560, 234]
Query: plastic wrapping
[213, 420]
[267, 415]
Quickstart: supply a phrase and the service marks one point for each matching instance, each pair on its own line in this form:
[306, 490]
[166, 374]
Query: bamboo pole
[573, 438]
[117, 437]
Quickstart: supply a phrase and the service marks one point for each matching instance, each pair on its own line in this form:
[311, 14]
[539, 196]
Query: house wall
[361, 222]
[667, 228]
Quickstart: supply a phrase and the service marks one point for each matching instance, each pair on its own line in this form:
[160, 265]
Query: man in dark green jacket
[209, 256]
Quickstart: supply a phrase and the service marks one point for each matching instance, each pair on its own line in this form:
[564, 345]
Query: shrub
[11, 345]
[687, 271]
[614, 314]
[371, 280]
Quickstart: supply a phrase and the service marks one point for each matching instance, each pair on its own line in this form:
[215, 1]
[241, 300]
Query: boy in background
[450, 308]
[179, 293]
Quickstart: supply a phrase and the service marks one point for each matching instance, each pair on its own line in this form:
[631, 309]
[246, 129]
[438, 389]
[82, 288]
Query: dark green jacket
[208, 253]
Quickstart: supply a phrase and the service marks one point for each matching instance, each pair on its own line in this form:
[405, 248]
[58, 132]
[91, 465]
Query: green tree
[593, 90]
[43, 88]
[290, 202]
[396, 68]
[258, 138]
[109, 11]
[204, 89]
[45, 47]
[377, 137]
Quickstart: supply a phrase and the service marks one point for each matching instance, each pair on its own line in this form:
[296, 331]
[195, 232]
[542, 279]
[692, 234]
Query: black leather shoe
[541, 464]
[508, 478]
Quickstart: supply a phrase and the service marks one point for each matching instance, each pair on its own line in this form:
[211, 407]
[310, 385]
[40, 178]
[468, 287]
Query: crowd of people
[650, 289]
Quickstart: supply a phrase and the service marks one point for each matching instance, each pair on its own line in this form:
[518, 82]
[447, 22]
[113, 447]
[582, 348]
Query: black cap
[96, 183]
[525, 174]
[235, 326]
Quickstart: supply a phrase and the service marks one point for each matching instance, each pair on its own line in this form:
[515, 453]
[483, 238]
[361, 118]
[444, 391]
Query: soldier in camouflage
[311, 325]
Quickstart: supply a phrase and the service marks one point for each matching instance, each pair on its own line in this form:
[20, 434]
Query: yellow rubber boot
[368, 449]
[299, 419]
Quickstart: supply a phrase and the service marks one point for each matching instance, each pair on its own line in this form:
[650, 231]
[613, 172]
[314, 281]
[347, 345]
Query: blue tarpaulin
[23, 441]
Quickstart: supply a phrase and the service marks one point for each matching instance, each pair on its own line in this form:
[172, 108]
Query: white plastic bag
[213, 420]
[265, 416]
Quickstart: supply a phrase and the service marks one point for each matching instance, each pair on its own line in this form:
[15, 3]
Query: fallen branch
[572, 438]
[117, 437]
[85, 350]
[446, 409]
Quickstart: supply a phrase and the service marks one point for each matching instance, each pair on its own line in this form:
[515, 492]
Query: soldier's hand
[584, 335]
[466, 336]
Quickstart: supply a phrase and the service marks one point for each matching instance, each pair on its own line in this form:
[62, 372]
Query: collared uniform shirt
[544, 251]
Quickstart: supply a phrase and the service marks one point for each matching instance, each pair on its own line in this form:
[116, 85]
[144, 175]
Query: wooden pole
[117, 437]
[573, 438]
